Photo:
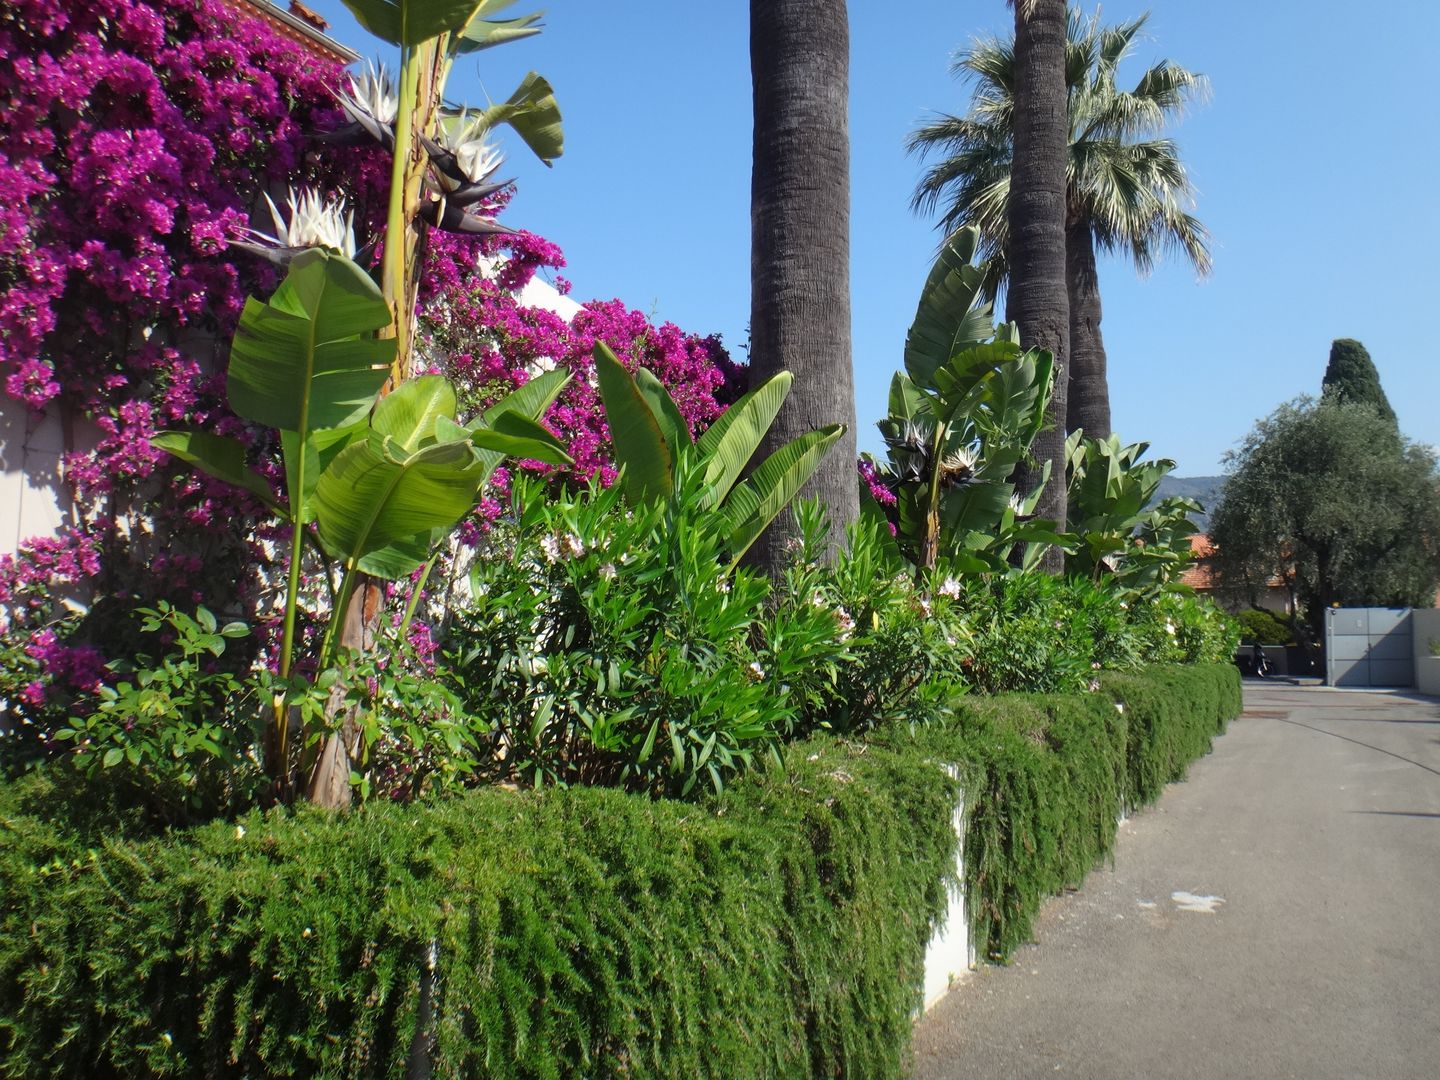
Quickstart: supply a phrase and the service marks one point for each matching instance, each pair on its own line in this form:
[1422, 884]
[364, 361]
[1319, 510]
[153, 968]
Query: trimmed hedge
[778, 932]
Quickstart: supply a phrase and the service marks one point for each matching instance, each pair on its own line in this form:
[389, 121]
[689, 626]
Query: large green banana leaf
[635, 434]
[410, 22]
[529, 401]
[673, 428]
[534, 114]
[408, 413]
[757, 501]
[308, 358]
[950, 314]
[378, 505]
[730, 442]
[222, 458]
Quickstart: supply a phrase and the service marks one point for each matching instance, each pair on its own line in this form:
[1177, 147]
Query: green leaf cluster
[1118, 534]
[961, 418]
[655, 449]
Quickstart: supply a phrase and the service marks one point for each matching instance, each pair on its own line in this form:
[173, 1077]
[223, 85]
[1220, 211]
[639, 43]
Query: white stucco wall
[33, 500]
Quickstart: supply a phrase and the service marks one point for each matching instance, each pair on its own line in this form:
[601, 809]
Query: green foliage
[1350, 376]
[1118, 535]
[609, 645]
[776, 931]
[1332, 498]
[961, 418]
[381, 483]
[1262, 627]
[653, 446]
[178, 731]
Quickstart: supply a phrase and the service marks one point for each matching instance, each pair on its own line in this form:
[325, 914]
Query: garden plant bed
[778, 930]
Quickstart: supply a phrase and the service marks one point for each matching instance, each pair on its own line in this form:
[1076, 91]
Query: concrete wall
[33, 499]
[1426, 629]
[950, 954]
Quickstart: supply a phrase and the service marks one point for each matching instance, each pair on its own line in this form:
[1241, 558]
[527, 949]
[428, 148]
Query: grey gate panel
[1369, 647]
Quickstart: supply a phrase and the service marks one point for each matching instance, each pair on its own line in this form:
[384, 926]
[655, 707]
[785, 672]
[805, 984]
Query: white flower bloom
[951, 588]
[608, 571]
[817, 599]
[474, 156]
[574, 546]
[1094, 685]
[845, 625]
[314, 222]
[372, 93]
[1169, 628]
[550, 545]
[924, 605]
[239, 832]
[723, 585]
[1017, 504]
[756, 671]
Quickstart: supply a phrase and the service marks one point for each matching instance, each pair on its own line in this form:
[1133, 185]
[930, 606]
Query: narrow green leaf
[756, 502]
[220, 457]
[730, 442]
[640, 448]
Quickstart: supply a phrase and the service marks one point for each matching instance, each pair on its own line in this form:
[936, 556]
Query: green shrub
[1258, 626]
[777, 930]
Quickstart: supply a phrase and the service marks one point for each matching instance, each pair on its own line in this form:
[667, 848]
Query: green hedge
[779, 932]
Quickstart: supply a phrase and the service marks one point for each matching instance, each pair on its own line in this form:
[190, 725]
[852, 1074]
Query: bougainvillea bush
[139, 137]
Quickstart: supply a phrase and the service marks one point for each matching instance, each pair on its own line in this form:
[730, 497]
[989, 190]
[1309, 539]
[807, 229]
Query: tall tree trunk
[1088, 404]
[800, 241]
[1037, 298]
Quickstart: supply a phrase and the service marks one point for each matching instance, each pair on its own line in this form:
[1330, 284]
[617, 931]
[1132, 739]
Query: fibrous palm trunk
[1037, 298]
[1088, 397]
[800, 241]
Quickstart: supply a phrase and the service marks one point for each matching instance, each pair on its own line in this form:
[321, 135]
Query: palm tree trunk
[1038, 300]
[800, 242]
[1088, 403]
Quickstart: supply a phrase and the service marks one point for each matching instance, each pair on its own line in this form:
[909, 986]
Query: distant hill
[1203, 489]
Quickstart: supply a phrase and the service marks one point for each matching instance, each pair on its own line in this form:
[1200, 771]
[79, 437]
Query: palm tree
[1034, 213]
[1127, 189]
[800, 239]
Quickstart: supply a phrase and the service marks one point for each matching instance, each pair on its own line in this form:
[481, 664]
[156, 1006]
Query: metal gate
[1369, 647]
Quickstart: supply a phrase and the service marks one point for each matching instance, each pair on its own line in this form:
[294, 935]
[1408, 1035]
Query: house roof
[300, 25]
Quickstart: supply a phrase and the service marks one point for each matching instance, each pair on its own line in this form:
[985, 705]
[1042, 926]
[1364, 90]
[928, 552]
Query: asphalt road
[1276, 915]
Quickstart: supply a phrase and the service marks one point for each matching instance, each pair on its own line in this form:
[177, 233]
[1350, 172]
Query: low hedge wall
[778, 932]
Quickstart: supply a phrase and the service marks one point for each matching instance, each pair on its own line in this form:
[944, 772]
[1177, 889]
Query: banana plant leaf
[308, 358]
[487, 33]
[640, 447]
[757, 501]
[408, 413]
[411, 22]
[378, 505]
[673, 428]
[220, 457]
[529, 401]
[534, 114]
[730, 442]
[951, 313]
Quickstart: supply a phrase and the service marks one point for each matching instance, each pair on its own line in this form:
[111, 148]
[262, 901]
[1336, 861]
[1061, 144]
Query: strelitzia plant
[962, 416]
[371, 484]
[441, 163]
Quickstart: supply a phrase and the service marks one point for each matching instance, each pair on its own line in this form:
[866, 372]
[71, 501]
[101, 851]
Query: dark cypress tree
[1351, 376]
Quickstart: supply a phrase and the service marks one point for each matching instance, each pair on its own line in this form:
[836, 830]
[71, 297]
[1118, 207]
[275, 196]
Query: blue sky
[1315, 157]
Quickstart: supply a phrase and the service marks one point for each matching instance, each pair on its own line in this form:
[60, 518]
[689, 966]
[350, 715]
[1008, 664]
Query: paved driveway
[1277, 915]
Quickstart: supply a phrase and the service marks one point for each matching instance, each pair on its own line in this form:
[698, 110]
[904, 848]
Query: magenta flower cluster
[481, 336]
